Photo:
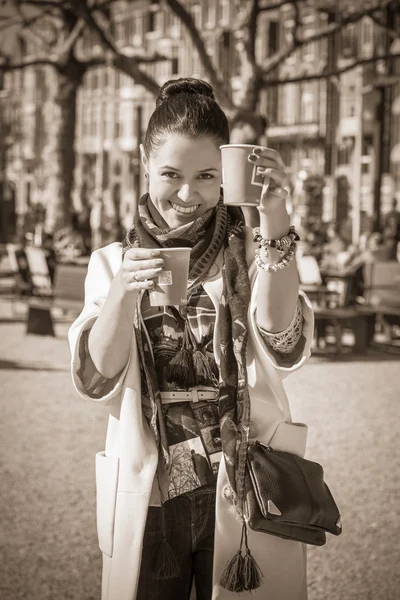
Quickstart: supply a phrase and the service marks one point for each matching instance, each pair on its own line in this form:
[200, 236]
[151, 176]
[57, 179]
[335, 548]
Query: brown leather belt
[193, 395]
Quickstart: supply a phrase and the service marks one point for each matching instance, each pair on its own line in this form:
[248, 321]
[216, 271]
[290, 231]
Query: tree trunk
[58, 156]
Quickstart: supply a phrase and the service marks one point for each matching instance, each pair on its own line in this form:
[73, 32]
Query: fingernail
[155, 253]
[158, 269]
[257, 151]
[260, 170]
[159, 263]
[252, 158]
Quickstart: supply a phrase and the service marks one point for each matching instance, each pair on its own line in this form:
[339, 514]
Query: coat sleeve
[87, 381]
[284, 363]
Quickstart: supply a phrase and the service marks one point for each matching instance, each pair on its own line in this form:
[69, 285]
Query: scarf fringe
[166, 565]
[242, 573]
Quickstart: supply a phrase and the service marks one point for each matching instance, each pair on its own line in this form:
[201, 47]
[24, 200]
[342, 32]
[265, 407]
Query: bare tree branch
[391, 33]
[8, 65]
[272, 7]
[186, 19]
[21, 20]
[74, 35]
[43, 3]
[301, 39]
[120, 61]
[327, 74]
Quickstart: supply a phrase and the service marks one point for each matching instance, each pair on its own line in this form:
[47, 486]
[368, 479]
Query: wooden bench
[360, 322]
[68, 293]
[331, 303]
[382, 294]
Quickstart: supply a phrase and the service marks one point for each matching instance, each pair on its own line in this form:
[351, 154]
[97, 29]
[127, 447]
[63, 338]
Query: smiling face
[185, 177]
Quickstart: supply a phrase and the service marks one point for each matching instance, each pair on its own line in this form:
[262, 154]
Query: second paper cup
[241, 183]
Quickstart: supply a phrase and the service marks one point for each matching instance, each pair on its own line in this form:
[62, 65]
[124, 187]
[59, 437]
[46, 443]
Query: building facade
[344, 130]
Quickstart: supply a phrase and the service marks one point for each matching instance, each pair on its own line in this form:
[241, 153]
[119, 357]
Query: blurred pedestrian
[155, 542]
[334, 250]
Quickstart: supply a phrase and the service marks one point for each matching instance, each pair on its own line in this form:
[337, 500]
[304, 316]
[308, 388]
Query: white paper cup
[170, 288]
[242, 184]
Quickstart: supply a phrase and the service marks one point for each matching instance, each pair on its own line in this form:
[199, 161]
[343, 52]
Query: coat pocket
[107, 468]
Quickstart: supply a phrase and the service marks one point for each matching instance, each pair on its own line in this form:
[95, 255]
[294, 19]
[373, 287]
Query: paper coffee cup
[170, 287]
[242, 184]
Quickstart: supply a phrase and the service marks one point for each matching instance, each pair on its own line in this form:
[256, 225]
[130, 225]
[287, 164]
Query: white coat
[125, 471]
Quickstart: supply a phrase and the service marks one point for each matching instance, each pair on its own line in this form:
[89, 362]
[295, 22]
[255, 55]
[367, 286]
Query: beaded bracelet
[281, 264]
[285, 241]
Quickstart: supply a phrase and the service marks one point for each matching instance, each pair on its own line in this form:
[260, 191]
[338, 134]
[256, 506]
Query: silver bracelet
[281, 264]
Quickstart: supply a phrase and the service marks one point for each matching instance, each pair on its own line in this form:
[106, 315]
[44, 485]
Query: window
[175, 60]
[348, 100]
[308, 102]
[109, 121]
[119, 33]
[288, 25]
[288, 107]
[349, 41]
[196, 68]
[155, 21]
[225, 54]
[95, 119]
[126, 118]
[86, 115]
[196, 14]
[209, 13]
[223, 11]
[367, 36]
[273, 37]
[261, 43]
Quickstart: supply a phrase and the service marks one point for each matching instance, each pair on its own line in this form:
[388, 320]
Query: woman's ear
[143, 157]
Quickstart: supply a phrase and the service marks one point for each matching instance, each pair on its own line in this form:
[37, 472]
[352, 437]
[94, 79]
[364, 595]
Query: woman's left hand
[271, 166]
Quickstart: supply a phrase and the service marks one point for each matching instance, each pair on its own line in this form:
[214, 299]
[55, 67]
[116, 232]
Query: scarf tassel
[166, 564]
[202, 368]
[242, 573]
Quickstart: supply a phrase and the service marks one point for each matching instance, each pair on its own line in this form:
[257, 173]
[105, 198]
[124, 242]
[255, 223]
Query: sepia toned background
[317, 80]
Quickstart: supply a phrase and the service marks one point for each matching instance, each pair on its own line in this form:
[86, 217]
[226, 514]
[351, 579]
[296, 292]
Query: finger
[141, 253]
[140, 285]
[142, 265]
[264, 163]
[269, 153]
[275, 176]
[278, 193]
[142, 275]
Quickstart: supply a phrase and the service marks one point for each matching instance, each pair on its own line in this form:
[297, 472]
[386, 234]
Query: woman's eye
[170, 174]
[206, 176]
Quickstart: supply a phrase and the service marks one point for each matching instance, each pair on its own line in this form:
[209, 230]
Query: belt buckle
[195, 395]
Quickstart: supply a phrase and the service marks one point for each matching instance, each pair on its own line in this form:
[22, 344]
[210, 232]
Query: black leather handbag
[286, 496]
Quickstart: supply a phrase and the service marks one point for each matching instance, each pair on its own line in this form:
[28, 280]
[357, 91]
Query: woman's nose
[185, 192]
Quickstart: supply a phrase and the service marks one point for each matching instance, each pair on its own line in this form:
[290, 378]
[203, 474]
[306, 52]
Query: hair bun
[184, 85]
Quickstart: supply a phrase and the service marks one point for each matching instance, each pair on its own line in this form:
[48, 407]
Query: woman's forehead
[185, 151]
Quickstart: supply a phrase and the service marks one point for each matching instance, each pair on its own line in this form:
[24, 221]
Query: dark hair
[186, 106]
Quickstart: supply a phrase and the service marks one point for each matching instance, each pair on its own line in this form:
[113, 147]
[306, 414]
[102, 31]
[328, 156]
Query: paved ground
[48, 437]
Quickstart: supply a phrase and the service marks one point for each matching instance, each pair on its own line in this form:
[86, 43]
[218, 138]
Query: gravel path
[48, 545]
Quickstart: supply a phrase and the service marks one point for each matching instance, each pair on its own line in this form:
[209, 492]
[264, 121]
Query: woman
[170, 482]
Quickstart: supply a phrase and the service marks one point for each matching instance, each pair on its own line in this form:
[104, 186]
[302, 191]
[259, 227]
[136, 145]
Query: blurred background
[317, 80]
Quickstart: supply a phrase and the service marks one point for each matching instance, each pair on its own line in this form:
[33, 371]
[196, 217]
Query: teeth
[183, 210]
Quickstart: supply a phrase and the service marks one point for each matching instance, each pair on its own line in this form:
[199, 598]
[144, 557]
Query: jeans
[189, 521]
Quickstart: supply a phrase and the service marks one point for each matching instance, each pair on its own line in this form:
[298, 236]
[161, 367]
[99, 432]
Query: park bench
[33, 286]
[332, 306]
[382, 295]
[68, 294]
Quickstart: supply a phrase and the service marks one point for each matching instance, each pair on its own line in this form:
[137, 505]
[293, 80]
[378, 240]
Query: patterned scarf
[220, 227]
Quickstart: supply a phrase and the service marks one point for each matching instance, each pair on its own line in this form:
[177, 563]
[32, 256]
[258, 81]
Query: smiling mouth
[184, 210]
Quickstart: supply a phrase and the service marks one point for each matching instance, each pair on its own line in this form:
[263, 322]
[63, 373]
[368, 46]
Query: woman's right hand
[140, 267]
